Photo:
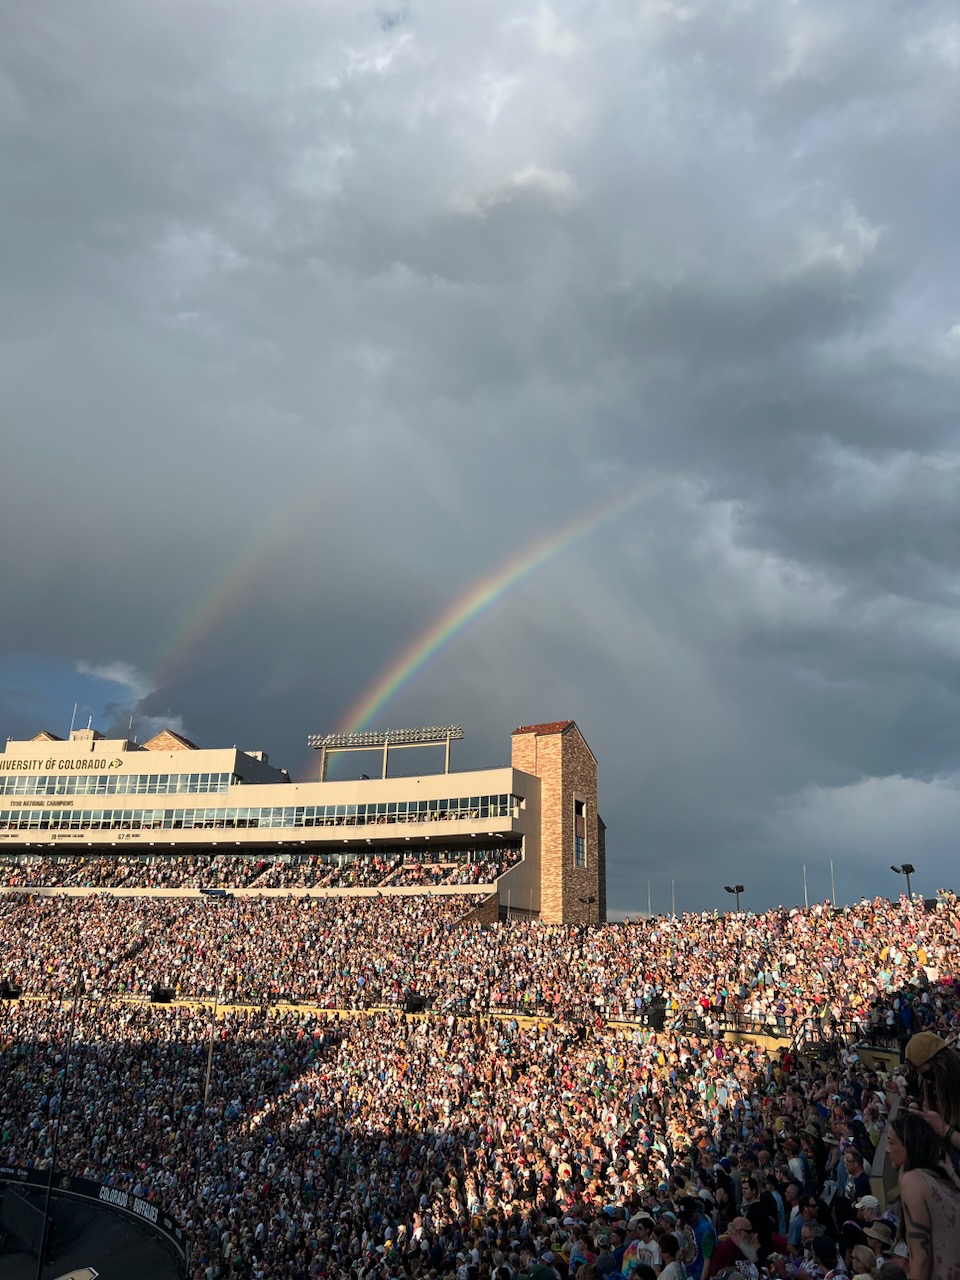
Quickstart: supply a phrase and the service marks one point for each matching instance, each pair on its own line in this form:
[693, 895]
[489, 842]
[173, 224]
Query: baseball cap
[922, 1047]
[867, 1202]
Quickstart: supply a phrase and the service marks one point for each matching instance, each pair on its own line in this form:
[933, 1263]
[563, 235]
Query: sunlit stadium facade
[90, 795]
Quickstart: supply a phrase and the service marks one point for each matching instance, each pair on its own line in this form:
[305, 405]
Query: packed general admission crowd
[245, 870]
[355, 952]
[368, 1146]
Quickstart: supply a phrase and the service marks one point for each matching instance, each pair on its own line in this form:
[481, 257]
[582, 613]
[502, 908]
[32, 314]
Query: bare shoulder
[914, 1189]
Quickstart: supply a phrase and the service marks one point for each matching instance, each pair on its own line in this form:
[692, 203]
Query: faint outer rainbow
[477, 598]
[265, 545]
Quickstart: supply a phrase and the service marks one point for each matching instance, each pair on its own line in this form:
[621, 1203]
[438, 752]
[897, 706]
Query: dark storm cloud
[425, 283]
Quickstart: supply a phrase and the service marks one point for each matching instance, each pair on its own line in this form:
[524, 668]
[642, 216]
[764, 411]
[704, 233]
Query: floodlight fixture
[905, 869]
[735, 889]
[385, 739]
[425, 736]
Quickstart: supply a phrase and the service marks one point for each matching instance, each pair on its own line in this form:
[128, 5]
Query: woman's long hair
[924, 1149]
[941, 1086]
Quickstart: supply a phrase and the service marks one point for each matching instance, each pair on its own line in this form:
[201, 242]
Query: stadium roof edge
[552, 727]
[169, 739]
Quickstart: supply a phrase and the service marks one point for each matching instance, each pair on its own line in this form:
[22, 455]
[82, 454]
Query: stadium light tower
[736, 889]
[78, 991]
[387, 739]
[907, 869]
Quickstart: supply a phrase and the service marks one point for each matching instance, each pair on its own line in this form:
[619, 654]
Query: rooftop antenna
[90, 720]
[73, 717]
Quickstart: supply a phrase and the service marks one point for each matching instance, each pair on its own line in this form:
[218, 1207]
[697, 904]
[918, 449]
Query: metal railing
[738, 1021]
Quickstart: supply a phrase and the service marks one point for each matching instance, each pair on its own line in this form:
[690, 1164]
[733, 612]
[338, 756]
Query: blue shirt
[706, 1239]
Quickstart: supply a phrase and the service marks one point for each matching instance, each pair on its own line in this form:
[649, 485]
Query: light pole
[206, 1093]
[907, 869]
[61, 1107]
[735, 889]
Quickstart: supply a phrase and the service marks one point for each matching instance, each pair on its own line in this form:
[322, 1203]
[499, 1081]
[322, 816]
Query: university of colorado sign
[87, 764]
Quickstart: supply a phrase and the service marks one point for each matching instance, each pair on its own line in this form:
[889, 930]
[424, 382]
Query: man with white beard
[739, 1249]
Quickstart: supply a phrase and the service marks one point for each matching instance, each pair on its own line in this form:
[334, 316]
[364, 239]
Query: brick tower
[572, 852]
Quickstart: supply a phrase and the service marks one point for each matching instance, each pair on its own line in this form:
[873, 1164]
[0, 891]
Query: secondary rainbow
[475, 600]
[265, 546]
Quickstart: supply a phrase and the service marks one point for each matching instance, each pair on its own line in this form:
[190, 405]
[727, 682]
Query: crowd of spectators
[767, 971]
[330, 952]
[375, 1146]
[873, 969]
[245, 870]
[353, 1145]
[443, 869]
[481, 871]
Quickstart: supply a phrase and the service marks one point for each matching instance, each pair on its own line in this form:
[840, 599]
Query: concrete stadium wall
[486, 912]
[878, 1059]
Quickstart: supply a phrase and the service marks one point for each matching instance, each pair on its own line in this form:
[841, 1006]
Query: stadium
[244, 1034]
[528, 833]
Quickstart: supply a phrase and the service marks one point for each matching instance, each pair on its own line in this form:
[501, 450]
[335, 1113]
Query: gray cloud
[310, 317]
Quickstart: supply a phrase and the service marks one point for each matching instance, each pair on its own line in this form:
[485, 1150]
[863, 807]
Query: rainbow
[475, 600]
[214, 605]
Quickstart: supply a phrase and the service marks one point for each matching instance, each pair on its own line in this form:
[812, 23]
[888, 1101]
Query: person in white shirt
[673, 1268]
[647, 1249]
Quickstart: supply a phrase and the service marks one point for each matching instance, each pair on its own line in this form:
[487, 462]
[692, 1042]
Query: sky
[313, 315]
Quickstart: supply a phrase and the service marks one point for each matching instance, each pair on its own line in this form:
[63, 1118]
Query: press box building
[89, 794]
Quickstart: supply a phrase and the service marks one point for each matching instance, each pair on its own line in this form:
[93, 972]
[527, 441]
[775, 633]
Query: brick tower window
[579, 833]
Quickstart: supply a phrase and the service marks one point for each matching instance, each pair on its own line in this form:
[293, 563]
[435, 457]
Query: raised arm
[940, 1127]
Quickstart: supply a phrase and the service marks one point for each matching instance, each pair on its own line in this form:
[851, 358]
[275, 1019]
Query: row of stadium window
[120, 784]
[340, 815]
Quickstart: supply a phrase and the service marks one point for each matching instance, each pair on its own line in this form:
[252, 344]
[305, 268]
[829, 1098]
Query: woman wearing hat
[863, 1261]
[880, 1236]
[938, 1067]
